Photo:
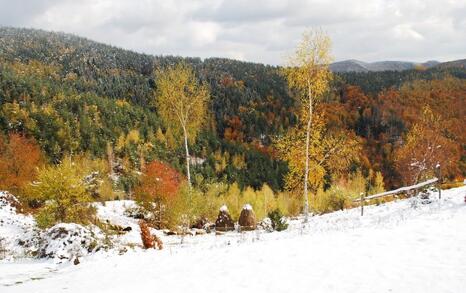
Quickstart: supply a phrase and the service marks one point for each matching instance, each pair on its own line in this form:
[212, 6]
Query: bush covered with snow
[22, 238]
[8, 200]
[266, 225]
[68, 240]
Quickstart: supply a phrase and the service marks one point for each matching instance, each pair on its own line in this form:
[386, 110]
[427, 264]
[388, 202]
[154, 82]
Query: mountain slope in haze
[453, 64]
[360, 66]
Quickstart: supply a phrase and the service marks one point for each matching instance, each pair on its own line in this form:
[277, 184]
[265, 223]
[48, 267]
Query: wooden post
[362, 204]
[439, 183]
[438, 172]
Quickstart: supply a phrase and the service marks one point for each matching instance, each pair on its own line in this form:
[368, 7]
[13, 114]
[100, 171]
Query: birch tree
[330, 155]
[308, 74]
[181, 102]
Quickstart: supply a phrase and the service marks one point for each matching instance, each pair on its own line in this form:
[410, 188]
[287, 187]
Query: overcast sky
[256, 30]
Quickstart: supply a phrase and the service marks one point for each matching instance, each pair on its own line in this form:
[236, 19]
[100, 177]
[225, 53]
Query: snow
[392, 248]
[247, 207]
[15, 228]
[224, 208]
[65, 241]
[402, 189]
[113, 212]
[21, 237]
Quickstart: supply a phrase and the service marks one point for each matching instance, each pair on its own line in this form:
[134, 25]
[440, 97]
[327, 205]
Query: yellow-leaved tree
[308, 74]
[329, 155]
[181, 102]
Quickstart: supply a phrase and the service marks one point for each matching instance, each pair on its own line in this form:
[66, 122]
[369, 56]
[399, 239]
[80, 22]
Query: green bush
[278, 222]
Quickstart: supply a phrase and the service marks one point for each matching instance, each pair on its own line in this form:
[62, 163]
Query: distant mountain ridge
[451, 64]
[360, 66]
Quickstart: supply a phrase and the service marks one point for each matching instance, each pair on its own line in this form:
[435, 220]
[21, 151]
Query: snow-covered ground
[392, 248]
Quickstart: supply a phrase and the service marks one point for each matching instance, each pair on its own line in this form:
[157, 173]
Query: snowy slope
[392, 248]
[14, 228]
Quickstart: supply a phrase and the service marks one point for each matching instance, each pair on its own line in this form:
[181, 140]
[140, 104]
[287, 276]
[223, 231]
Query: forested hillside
[73, 96]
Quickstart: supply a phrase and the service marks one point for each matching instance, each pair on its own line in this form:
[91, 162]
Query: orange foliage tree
[426, 148]
[159, 185]
[19, 159]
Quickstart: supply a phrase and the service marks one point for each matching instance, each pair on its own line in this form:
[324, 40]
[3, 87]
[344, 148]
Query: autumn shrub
[376, 183]
[450, 185]
[61, 192]
[205, 204]
[96, 177]
[233, 200]
[149, 240]
[290, 203]
[188, 205]
[146, 236]
[263, 201]
[158, 191]
[330, 200]
[19, 159]
[344, 190]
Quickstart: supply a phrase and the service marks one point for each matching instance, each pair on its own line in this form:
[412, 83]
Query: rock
[266, 224]
[76, 261]
[199, 231]
[158, 242]
[203, 224]
[425, 197]
[127, 229]
[224, 221]
[200, 223]
[122, 250]
[209, 227]
[169, 232]
[8, 199]
[247, 218]
[186, 232]
[137, 213]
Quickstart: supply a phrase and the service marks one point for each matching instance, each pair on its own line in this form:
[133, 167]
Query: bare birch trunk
[306, 171]
[188, 173]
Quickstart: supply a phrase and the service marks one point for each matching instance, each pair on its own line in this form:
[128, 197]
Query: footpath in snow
[392, 248]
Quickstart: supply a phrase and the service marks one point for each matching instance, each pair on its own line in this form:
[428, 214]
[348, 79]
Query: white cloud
[406, 32]
[262, 30]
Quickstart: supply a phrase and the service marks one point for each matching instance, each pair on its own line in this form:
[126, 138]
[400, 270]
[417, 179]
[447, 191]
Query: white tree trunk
[306, 170]
[188, 172]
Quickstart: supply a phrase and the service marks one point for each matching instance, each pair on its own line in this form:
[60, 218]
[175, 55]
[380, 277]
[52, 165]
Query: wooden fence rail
[395, 191]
